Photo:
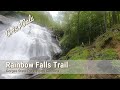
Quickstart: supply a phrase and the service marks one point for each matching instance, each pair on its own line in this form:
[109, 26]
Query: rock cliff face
[4, 22]
[6, 18]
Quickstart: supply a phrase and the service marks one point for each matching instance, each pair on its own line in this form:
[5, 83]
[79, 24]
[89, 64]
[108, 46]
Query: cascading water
[29, 42]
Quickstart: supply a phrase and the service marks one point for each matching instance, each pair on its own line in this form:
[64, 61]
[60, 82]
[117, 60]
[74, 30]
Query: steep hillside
[106, 46]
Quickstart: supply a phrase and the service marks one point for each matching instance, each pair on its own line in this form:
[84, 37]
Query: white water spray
[31, 41]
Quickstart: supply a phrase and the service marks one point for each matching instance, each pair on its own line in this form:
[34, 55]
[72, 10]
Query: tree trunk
[78, 25]
[89, 32]
[110, 21]
[118, 17]
[105, 22]
[114, 18]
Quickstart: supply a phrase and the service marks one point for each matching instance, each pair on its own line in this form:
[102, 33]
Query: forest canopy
[77, 28]
[83, 27]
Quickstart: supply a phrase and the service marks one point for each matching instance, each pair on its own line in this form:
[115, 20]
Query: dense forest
[83, 35]
[87, 35]
[90, 34]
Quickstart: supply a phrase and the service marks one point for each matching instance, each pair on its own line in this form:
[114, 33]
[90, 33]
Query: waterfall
[30, 42]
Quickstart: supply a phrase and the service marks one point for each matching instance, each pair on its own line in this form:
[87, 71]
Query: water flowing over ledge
[30, 43]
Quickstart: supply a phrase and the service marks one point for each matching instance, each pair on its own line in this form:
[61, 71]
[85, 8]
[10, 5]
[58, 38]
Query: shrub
[107, 54]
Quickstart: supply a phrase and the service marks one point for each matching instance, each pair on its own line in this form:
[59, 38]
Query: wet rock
[1, 22]
[56, 56]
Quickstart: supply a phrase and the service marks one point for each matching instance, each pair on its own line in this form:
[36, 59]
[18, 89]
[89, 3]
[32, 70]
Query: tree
[105, 21]
[114, 17]
[78, 26]
[85, 26]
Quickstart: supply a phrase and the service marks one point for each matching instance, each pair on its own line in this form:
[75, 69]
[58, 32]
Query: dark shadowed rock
[1, 22]
[56, 56]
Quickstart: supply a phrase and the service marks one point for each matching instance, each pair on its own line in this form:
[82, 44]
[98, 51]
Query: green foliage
[78, 53]
[72, 76]
[58, 31]
[107, 54]
[115, 27]
[116, 31]
[67, 43]
[63, 58]
[80, 27]
[63, 76]
[117, 36]
[86, 26]
[110, 38]
[42, 18]
[103, 40]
